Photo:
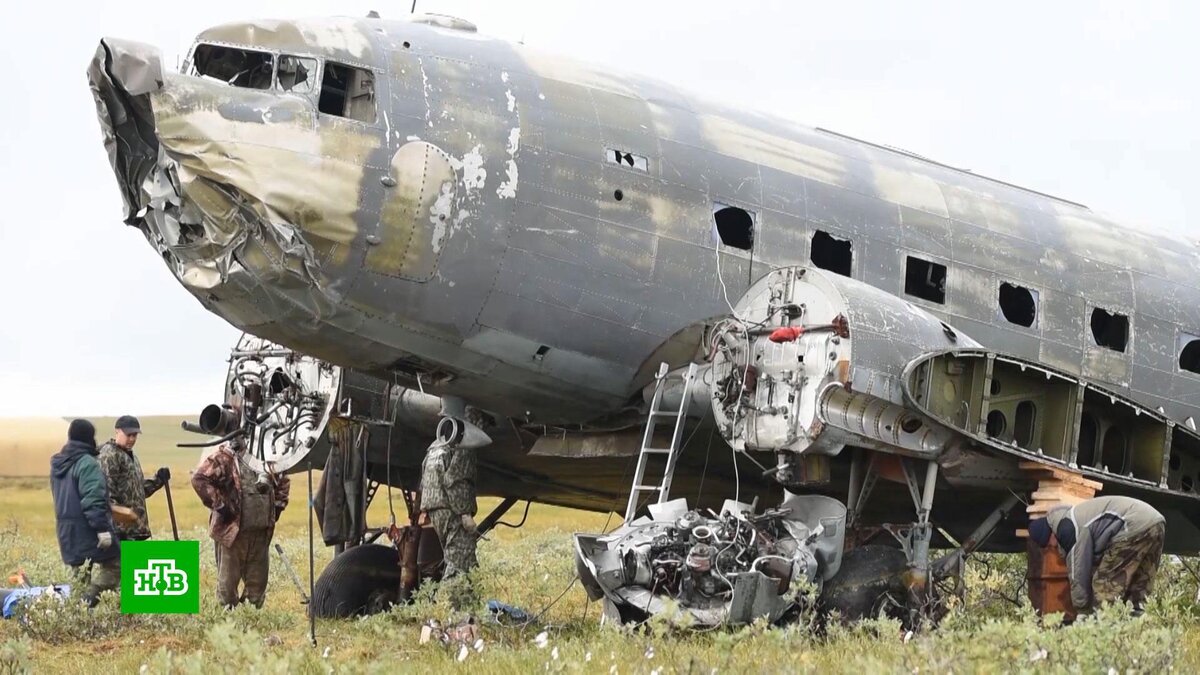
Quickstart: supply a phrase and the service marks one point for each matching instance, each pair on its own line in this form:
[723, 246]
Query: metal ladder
[659, 416]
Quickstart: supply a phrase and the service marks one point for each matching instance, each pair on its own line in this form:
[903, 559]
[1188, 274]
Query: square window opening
[735, 226]
[347, 91]
[832, 254]
[925, 279]
[1018, 304]
[1110, 329]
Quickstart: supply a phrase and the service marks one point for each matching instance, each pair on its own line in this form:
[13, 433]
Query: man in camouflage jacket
[448, 476]
[1112, 546]
[237, 495]
[127, 486]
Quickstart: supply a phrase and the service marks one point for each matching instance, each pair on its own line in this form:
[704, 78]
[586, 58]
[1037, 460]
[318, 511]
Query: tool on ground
[171, 509]
[292, 573]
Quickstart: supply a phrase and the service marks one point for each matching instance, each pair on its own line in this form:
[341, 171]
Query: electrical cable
[526, 515]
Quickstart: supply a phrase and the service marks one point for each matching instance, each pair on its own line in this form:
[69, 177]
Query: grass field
[531, 568]
[26, 444]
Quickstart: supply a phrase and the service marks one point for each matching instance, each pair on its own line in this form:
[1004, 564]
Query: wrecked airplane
[423, 228]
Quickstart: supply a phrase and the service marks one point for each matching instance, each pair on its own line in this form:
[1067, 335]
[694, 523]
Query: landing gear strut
[926, 584]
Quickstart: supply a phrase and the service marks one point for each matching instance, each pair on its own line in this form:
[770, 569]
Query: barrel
[1049, 583]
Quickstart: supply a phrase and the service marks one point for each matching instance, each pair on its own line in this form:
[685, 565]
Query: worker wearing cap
[127, 485]
[1112, 546]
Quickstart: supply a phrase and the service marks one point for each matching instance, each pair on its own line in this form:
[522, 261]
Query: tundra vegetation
[992, 630]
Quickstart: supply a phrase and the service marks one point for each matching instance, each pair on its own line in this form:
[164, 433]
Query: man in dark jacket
[81, 511]
[1112, 546]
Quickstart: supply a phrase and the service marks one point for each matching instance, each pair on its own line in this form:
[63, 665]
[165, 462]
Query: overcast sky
[1091, 101]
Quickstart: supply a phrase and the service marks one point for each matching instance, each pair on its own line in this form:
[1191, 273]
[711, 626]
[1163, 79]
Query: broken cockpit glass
[231, 65]
[297, 74]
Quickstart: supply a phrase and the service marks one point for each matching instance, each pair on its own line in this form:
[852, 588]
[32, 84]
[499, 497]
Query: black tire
[869, 576]
[362, 580]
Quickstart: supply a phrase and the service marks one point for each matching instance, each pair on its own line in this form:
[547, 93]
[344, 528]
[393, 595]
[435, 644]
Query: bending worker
[245, 506]
[127, 486]
[82, 515]
[1112, 546]
[448, 476]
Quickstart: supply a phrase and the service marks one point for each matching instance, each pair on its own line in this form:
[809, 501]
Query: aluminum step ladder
[659, 416]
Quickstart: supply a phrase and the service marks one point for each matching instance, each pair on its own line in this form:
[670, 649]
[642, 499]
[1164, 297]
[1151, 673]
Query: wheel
[870, 578]
[362, 580]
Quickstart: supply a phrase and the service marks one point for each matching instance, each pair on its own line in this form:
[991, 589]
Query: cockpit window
[297, 74]
[347, 91]
[239, 67]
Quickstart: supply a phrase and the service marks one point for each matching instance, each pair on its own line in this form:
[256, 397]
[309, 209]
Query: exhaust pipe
[216, 420]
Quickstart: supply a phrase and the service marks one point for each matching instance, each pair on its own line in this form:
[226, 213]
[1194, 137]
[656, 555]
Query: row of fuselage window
[926, 279]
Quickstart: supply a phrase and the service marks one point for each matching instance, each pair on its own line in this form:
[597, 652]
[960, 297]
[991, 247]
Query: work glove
[104, 540]
[469, 523]
[163, 475]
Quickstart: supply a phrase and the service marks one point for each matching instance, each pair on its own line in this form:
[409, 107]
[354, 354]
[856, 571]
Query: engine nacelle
[812, 361]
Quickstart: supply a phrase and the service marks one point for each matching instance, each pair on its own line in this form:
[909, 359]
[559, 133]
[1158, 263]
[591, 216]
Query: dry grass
[530, 568]
[26, 444]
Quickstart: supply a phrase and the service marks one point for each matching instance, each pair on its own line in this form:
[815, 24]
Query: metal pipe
[977, 537]
[261, 353]
[700, 404]
[228, 437]
[497, 513]
[193, 427]
[882, 421]
[312, 615]
[856, 471]
[931, 471]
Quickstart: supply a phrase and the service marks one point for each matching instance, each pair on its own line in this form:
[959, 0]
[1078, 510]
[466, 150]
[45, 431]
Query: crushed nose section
[122, 76]
[704, 572]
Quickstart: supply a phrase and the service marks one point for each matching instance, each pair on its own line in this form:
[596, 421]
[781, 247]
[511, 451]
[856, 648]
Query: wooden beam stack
[1056, 486]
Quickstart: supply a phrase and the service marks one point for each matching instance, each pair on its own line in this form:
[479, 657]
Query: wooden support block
[1056, 487]
[1058, 495]
[1059, 473]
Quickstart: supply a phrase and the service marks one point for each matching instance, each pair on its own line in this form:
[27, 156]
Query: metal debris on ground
[466, 633]
[727, 568]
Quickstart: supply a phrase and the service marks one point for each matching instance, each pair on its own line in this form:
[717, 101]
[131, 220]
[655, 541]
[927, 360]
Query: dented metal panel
[281, 218]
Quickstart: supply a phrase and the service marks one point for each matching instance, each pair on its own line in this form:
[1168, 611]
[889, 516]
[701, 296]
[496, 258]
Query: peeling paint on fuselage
[639, 262]
[508, 189]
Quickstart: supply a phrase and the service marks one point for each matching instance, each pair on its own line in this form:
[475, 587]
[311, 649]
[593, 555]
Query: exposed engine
[727, 568]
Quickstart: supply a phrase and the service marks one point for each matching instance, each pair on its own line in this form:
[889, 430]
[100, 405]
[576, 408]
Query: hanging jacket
[81, 508]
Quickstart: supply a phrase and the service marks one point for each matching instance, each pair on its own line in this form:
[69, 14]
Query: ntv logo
[160, 578]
